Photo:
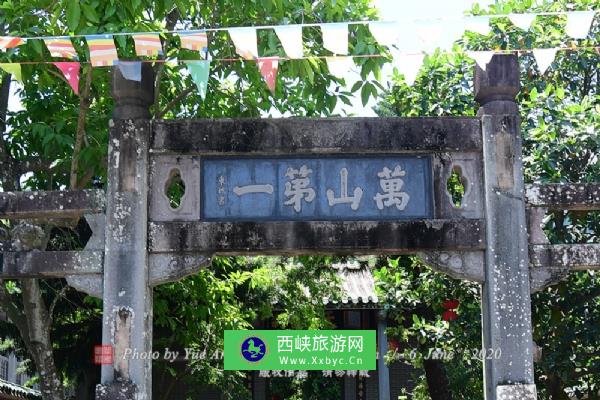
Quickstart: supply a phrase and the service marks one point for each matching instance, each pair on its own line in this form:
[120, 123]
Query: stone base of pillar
[117, 390]
[516, 392]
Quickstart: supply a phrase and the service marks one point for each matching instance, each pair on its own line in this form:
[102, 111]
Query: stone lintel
[51, 204]
[50, 264]
[564, 196]
[317, 136]
[316, 237]
[573, 256]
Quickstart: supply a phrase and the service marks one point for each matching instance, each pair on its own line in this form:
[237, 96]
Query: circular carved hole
[175, 189]
[457, 186]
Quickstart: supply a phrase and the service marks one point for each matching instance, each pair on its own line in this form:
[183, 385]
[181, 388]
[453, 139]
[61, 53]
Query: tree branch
[174, 102]
[14, 312]
[84, 105]
[172, 19]
[58, 296]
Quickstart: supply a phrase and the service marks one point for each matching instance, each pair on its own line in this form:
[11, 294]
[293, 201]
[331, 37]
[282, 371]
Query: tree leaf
[90, 13]
[73, 14]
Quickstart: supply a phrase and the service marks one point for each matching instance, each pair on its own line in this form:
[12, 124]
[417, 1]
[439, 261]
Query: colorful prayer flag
[245, 42]
[290, 37]
[199, 71]
[148, 44]
[71, 72]
[102, 50]
[61, 47]
[131, 70]
[268, 67]
[335, 37]
[197, 41]
[8, 42]
[12, 68]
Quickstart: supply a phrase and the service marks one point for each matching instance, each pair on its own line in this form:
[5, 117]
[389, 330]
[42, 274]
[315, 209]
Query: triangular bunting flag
[245, 42]
[61, 47]
[14, 69]
[8, 42]
[386, 33]
[291, 39]
[409, 65]
[435, 35]
[131, 70]
[199, 71]
[196, 41]
[335, 37]
[544, 58]
[482, 58]
[268, 67]
[522, 21]
[480, 24]
[71, 72]
[147, 44]
[102, 50]
[579, 23]
[339, 66]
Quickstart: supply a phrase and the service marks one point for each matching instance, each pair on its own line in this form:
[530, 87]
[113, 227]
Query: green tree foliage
[59, 140]
[561, 144]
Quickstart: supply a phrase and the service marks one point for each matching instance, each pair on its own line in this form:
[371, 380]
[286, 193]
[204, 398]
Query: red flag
[268, 67]
[450, 304]
[449, 315]
[71, 72]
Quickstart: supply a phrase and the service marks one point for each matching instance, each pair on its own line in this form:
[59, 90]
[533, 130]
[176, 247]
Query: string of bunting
[103, 52]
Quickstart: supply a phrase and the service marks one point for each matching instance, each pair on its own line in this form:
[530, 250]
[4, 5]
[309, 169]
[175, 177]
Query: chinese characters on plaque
[312, 189]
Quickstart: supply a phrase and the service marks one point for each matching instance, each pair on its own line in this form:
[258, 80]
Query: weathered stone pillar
[127, 320]
[506, 302]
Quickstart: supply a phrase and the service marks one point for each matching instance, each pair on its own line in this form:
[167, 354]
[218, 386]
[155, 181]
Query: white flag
[245, 42]
[434, 35]
[544, 58]
[579, 23]
[386, 33]
[339, 66]
[335, 37]
[522, 21]
[408, 65]
[480, 24]
[290, 37]
[482, 58]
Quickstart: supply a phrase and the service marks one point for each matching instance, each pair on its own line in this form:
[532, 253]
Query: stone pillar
[382, 368]
[506, 302]
[127, 319]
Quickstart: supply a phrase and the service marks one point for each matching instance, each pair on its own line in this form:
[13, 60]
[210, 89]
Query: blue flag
[131, 70]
